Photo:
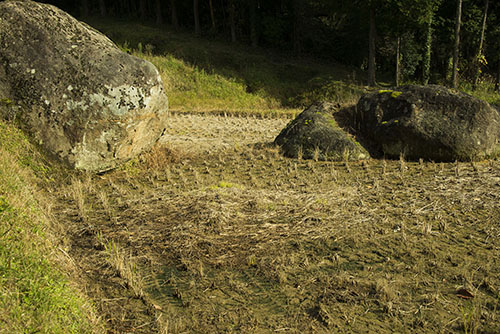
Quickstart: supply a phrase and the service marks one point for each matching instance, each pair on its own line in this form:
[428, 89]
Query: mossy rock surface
[315, 134]
[429, 122]
[85, 101]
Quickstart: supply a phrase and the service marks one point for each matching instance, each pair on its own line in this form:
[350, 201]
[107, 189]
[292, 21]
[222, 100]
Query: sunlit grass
[194, 89]
[484, 91]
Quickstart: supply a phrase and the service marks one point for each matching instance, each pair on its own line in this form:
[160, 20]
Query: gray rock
[429, 122]
[316, 135]
[80, 97]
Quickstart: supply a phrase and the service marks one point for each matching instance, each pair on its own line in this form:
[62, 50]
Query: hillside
[203, 74]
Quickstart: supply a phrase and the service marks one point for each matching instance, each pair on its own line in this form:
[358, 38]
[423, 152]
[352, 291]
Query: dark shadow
[346, 119]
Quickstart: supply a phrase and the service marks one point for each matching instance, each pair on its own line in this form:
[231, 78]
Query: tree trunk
[253, 24]
[481, 44]
[371, 49]
[133, 8]
[212, 15]
[124, 7]
[142, 9]
[428, 49]
[197, 28]
[232, 20]
[398, 60]
[456, 49]
[85, 8]
[296, 38]
[497, 83]
[102, 8]
[159, 16]
[173, 15]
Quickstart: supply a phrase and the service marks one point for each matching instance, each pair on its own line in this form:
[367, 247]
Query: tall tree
[173, 15]
[372, 47]
[398, 60]
[254, 37]
[232, 20]
[143, 9]
[456, 48]
[123, 8]
[429, 11]
[480, 51]
[102, 8]
[133, 7]
[297, 26]
[159, 16]
[84, 10]
[212, 15]
[428, 48]
[196, 14]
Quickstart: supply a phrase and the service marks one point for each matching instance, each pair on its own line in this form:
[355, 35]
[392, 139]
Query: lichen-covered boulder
[314, 134]
[79, 96]
[429, 122]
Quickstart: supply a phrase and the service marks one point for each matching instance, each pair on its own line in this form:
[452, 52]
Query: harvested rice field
[214, 231]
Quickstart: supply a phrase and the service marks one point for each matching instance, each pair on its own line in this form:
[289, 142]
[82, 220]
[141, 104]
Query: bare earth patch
[215, 232]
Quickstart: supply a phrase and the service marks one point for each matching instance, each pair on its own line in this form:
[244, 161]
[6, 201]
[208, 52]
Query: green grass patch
[190, 88]
[484, 91]
[35, 296]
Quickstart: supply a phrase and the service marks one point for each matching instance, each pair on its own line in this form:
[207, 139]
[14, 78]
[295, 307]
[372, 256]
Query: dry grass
[229, 236]
[125, 265]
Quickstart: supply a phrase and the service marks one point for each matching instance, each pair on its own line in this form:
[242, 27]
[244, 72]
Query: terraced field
[214, 231]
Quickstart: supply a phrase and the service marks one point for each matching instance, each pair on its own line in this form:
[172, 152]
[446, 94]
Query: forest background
[397, 40]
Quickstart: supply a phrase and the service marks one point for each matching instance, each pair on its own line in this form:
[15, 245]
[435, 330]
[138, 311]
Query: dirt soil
[215, 232]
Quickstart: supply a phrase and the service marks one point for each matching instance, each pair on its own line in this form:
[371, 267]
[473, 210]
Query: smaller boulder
[315, 134]
[429, 122]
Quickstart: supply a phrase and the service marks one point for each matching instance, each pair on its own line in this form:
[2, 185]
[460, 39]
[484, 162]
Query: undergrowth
[485, 91]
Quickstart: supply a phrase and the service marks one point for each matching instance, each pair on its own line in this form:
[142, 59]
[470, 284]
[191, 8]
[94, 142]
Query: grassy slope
[201, 74]
[35, 296]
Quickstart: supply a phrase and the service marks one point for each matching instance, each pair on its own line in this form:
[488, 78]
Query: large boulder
[429, 122]
[81, 98]
[315, 134]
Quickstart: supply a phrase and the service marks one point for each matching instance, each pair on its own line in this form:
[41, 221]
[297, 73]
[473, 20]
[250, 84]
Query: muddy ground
[215, 232]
